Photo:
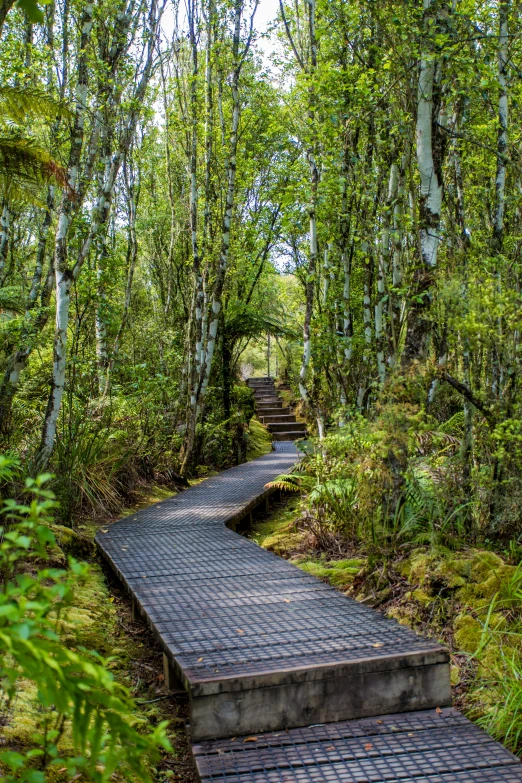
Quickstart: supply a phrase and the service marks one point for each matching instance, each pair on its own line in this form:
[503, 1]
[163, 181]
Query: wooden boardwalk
[267, 652]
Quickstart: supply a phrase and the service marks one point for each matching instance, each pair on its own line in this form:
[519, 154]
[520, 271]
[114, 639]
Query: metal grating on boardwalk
[263, 648]
[421, 747]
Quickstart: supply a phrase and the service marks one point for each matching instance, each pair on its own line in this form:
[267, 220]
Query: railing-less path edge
[262, 647]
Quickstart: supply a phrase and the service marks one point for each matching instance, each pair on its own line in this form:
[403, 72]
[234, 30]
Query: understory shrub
[85, 724]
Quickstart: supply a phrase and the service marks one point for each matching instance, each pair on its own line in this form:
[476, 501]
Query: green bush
[86, 722]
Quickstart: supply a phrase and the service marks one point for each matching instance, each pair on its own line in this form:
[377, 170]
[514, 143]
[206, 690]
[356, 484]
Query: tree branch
[289, 36]
[468, 395]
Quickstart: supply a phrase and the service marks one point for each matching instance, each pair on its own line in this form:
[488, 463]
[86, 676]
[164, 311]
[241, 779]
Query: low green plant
[86, 723]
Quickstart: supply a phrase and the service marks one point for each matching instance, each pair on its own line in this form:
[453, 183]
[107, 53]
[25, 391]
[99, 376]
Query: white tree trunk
[63, 277]
[502, 141]
[430, 185]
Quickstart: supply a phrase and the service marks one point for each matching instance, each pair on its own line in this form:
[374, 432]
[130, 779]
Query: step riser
[288, 435]
[284, 427]
[290, 420]
[326, 699]
[273, 411]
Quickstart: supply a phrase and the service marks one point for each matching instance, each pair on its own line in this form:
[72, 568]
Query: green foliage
[33, 10]
[78, 694]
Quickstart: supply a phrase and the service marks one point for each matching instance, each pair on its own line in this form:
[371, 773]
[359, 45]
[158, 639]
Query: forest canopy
[177, 187]
[190, 197]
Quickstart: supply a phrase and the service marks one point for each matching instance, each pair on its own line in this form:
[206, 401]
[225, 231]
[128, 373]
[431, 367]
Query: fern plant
[24, 163]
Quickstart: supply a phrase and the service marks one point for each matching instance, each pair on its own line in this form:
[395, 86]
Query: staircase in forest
[282, 424]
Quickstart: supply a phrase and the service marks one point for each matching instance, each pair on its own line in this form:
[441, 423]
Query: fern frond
[284, 486]
[285, 482]
[25, 166]
[20, 102]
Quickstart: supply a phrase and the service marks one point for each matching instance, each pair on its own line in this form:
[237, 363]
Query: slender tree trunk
[63, 276]
[311, 155]
[382, 272]
[5, 231]
[132, 255]
[226, 229]
[430, 153]
[497, 240]
[196, 316]
[5, 7]
[397, 240]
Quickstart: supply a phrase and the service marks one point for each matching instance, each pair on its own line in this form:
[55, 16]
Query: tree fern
[25, 166]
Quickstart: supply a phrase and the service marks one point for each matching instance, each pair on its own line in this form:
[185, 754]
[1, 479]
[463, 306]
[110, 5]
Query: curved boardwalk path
[266, 650]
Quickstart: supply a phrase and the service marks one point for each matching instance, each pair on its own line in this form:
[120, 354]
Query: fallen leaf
[379, 721]
[161, 677]
[330, 748]
[250, 739]
[287, 600]
[104, 531]
[233, 738]
[438, 711]
[368, 746]
[411, 734]
[239, 630]
[199, 660]
[378, 644]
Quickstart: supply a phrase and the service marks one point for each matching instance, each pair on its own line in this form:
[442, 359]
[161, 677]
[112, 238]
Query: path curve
[261, 646]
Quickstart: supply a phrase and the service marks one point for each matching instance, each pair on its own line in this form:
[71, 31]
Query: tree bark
[63, 276]
[430, 154]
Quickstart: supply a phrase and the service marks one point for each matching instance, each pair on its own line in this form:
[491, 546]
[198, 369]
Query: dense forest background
[178, 193]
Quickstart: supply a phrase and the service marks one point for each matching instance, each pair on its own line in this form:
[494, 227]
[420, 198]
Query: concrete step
[278, 419]
[288, 435]
[274, 401]
[296, 426]
[272, 411]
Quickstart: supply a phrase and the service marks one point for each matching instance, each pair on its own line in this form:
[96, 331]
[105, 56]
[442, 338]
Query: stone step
[288, 435]
[298, 426]
[283, 418]
[261, 388]
[258, 381]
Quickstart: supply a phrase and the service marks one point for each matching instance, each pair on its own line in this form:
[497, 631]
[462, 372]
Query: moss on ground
[470, 600]
[277, 531]
[339, 573]
[100, 619]
[259, 440]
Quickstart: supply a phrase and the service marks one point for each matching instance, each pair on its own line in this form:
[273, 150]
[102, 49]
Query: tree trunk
[63, 276]
[430, 154]
[5, 231]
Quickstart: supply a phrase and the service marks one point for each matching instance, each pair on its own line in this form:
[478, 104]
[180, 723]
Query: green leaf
[32, 10]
